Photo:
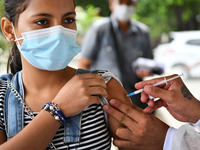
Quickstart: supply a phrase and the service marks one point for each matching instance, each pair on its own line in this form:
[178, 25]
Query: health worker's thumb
[158, 92]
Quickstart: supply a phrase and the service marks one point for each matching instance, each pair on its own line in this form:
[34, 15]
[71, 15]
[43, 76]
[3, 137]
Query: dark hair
[13, 8]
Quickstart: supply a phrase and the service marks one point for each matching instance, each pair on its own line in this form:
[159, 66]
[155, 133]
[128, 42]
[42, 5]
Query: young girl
[44, 104]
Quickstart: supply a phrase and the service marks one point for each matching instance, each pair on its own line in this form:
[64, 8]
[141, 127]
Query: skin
[73, 93]
[124, 26]
[174, 96]
[142, 131]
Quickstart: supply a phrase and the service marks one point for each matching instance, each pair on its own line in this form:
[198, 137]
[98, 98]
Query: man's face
[114, 3]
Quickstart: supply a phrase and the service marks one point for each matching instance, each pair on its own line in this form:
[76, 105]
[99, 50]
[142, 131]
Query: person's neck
[124, 26]
[36, 80]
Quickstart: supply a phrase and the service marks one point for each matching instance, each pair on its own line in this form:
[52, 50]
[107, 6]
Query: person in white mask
[114, 43]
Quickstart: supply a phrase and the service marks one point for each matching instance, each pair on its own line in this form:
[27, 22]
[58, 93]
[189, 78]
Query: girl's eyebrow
[49, 15]
[69, 13]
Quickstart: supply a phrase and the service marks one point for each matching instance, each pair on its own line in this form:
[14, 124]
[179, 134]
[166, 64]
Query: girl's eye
[69, 20]
[41, 22]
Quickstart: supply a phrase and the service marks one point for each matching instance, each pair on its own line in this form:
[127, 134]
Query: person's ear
[7, 29]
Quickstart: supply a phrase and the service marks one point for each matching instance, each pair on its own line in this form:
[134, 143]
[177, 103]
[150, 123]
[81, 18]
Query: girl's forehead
[51, 5]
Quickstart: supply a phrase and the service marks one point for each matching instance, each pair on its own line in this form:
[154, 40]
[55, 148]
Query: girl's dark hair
[13, 8]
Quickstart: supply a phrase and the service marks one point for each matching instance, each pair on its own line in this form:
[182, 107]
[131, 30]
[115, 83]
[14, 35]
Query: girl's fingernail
[105, 107]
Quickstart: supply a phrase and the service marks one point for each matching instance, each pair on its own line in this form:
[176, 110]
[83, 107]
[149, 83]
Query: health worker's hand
[80, 92]
[175, 96]
[142, 131]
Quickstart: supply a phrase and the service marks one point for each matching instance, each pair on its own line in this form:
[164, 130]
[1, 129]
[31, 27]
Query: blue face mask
[49, 49]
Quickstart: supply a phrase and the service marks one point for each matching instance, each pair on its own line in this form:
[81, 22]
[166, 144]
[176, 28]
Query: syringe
[156, 84]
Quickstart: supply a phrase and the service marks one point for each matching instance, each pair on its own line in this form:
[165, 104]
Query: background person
[144, 131]
[115, 42]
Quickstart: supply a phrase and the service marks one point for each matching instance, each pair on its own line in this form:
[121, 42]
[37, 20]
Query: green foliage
[101, 4]
[168, 15]
[85, 18]
[1, 8]
[3, 43]
[4, 46]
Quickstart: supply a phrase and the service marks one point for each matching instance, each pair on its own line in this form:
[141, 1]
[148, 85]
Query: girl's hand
[80, 92]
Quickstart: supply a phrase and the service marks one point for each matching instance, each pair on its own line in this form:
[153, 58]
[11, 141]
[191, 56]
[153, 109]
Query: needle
[156, 84]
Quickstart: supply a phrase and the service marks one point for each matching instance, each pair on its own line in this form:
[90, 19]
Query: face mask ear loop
[16, 39]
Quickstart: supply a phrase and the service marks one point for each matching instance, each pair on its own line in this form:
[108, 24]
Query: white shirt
[176, 137]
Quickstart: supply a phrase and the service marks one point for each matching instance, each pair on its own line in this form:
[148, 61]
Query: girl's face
[41, 14]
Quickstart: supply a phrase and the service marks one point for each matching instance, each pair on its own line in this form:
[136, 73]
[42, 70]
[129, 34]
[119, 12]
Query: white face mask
[123, 12]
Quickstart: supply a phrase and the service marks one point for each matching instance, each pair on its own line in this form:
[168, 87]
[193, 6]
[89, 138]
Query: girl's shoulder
[104, 73]
[109, 75]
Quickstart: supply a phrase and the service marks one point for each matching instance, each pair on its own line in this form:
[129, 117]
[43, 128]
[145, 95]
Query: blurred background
[174, 28]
